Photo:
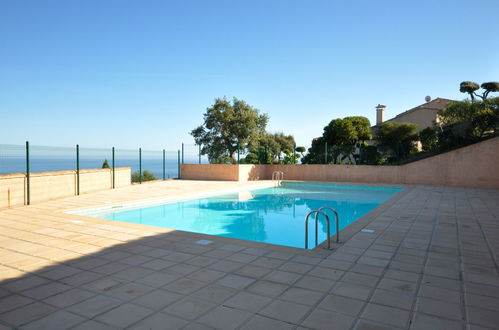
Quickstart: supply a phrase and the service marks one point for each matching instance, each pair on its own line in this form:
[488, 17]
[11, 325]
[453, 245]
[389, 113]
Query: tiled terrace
[432, 263]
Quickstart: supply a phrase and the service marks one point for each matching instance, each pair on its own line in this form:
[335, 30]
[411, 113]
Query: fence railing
[145, 164]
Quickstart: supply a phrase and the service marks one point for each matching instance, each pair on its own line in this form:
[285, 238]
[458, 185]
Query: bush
[146, 176]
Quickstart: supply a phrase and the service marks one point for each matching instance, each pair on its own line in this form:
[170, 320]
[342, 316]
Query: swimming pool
[270, 215]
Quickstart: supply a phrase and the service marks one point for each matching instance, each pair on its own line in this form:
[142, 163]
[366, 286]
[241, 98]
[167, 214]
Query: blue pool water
[270, 215]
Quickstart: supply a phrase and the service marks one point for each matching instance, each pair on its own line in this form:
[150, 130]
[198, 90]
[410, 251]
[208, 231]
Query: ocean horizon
[50, 164]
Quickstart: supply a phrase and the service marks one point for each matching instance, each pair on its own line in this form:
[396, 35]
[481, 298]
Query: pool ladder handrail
[316, 213]
[277, 178]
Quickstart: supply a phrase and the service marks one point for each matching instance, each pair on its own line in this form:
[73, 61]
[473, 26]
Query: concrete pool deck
[431, 263]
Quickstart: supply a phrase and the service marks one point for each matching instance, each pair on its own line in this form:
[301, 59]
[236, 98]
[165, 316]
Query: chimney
[380, 113]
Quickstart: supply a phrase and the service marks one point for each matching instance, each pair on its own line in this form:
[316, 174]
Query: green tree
[277, 144]
[227, 124]
[471, 88]
[428, 138]
[105, 164]
[342, 136]
[490, 87]
[399, 137]
[469, 120]
[301, 150]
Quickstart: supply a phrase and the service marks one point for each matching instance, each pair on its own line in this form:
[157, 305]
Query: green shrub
[146, 176]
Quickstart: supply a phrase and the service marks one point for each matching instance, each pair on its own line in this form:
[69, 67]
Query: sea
[10, 165]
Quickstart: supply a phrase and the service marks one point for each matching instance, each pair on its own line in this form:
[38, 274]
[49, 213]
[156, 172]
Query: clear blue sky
[141, 73]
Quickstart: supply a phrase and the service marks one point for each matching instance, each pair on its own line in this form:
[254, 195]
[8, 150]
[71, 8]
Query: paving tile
[94, 306]
[253, 271]
[439, 294]
[307, 260]
[367, 269]
[280, 276]
[296, 267]
[425, 322]
[362, 279]
[280, 255]
[393, 299]
[226, 266]
[247, 302]
[265, 288]
[189, 308]
[267, 262]
[46, 290]
[25, 283]
[157, 299]
[180, 269]
[258, 322]
[197, 326]
[184, 286]
[341, 304]
[352, 290]
[68, 298]
[285, 311]
[207, 275]
[157, 279]
[215, 293]
[81, 278]
[388, 315]
[402, 276]
[13, 301]
[242, 257]
[255, 251]
[26, 313]
[397, 286]
[57, 320]
[315, 283]
[224, 317]
[235, 281]
[482, 302]
[159, 321]
[302, 296]
[440, 308]
[93, 325]
[103, 284]
[157, 264]
[369, 325]
[128, 291]
[132, 273]
[483, 317]
[61, 271]
[324, 272]
[124, 315]
[326, 320]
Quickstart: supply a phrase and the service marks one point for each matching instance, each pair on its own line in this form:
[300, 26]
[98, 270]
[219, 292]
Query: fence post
[77, 169]
[164, 161]
[294, 153]
[27, 175]
[140, 165]
[325, 152]
[113, 169]
[178, 164]
[238, 152]
[182, 152]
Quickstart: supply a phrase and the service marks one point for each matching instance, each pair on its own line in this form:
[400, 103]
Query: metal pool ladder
[277, 177]
[317, 213]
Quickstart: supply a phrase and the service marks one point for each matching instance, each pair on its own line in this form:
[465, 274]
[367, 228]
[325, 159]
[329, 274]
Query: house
[423, 115]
